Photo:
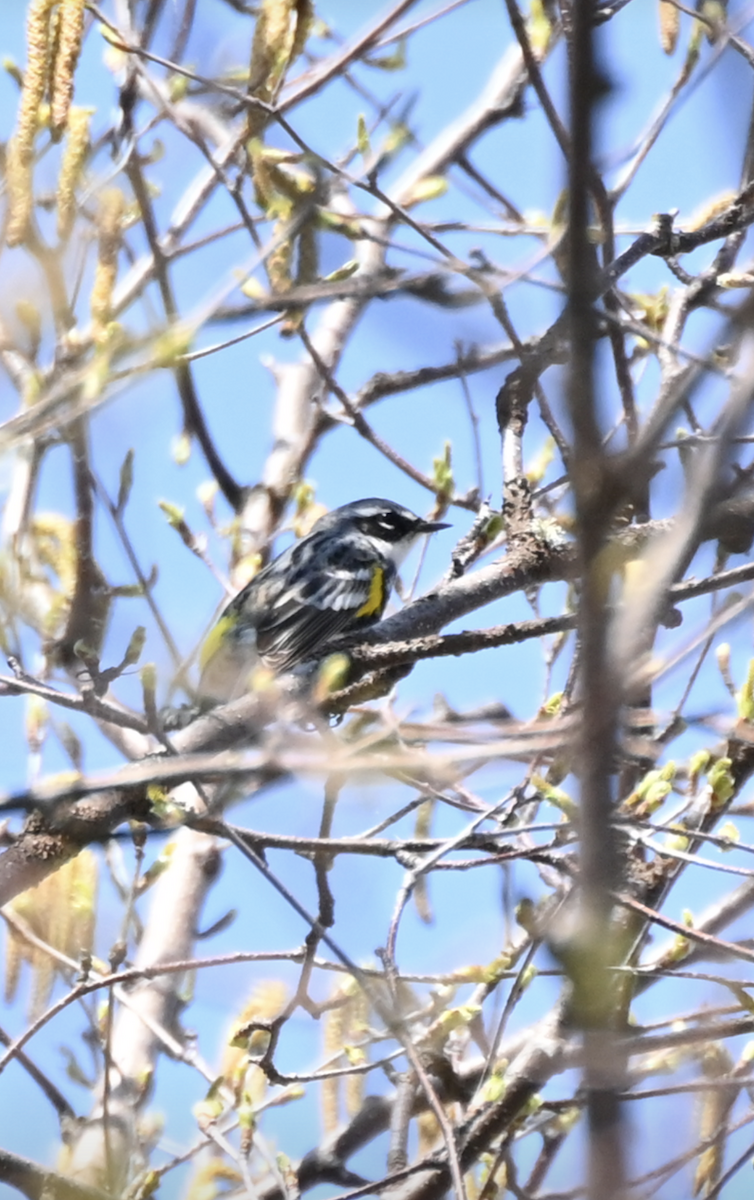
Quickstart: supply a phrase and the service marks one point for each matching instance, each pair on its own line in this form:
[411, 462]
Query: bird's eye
[387, 523]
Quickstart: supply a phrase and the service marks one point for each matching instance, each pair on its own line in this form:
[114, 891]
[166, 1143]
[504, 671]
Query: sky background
[698, 158]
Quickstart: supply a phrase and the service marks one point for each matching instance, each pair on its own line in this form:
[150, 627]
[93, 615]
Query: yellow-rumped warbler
[335, 580]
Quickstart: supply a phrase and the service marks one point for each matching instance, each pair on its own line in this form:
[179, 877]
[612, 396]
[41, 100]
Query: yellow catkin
[279, 265]
[358, 1017]
[268, 47]
[35, 75]
[710, 210]
[421, 890]
[19, 183]
[43, 983]
[260, 172]
[53, 45]
[333, 1031]
[266, 1002]
[254, 1085]
[304, 21]
[271, 27]
[68, 51]
[20, 150]
[308, 254]
[83, 904]
[294, 187]
[670, 21]
[109, 221]
[55, 919]
[13, 960]
[306, 272]
[71, 166]
[214, 1177]
[61, 912]
[715, 1107]
[429, 1132]
[279, 37]
[354, 1092]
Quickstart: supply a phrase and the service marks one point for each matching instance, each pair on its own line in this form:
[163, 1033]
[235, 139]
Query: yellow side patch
[214, 639]
[376, 599]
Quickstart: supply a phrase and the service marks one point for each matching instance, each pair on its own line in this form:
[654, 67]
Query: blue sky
[697, 159]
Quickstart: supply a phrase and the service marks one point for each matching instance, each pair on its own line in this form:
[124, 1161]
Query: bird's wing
[313, 609]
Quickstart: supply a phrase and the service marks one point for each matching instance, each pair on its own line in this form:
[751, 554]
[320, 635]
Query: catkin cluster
[54, 33]
[344, 1029]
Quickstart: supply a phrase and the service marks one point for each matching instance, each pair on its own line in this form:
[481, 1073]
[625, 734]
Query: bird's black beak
[431, 526]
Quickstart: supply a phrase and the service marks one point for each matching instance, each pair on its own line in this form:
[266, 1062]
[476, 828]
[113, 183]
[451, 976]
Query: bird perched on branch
[335, 580]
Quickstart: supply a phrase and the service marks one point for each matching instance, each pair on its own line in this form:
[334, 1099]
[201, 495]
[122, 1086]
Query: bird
[335, 580]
